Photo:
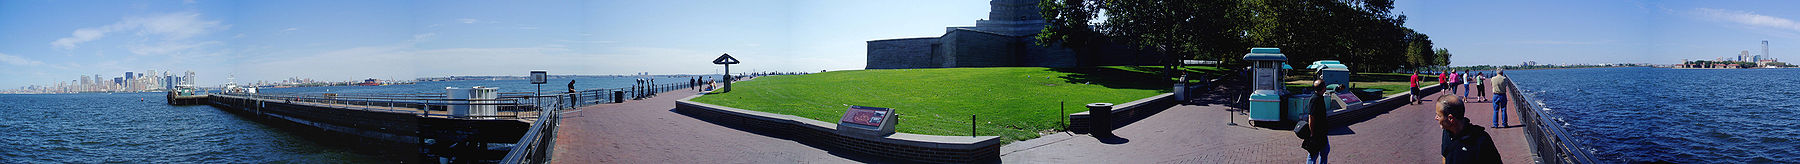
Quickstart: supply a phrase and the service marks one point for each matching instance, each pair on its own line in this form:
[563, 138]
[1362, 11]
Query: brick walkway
[1199, 134]
[649, 131]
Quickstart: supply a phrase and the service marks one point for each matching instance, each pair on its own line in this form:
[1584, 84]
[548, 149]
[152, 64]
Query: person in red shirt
[1441, 80]
[1415, 87]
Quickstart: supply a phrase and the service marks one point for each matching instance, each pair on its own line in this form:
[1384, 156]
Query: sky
[1604, 31]
[49, 41]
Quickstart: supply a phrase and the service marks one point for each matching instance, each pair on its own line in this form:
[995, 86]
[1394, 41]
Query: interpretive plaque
[864, 120]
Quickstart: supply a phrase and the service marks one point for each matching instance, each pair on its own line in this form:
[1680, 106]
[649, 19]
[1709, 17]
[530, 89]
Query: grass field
[1015, 103]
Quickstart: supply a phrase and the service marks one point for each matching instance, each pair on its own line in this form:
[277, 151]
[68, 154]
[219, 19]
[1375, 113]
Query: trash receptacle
[1100, 115]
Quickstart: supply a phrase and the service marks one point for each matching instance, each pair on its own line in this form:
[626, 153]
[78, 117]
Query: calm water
[140, 128]
[1682, 116]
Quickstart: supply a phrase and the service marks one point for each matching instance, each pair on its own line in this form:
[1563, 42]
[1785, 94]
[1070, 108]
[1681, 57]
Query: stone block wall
[901, 53]
[970, 48]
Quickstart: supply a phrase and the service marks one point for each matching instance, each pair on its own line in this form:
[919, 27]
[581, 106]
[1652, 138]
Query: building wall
[969, 48]
[901, 53]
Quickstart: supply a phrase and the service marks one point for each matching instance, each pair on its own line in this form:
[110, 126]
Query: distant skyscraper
[1745, 55]
[1766, 50]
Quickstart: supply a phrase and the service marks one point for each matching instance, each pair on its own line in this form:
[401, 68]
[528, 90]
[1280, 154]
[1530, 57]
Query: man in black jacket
[1463, 142]
[1316, 127]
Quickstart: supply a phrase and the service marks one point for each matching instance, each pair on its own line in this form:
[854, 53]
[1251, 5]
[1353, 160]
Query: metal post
[535, 100]
[971, 125]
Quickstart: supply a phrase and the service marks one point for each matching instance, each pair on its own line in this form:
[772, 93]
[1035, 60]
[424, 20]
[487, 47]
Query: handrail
[535, 146]
[1551, 143]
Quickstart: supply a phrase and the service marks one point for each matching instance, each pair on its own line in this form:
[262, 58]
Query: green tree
[1443, 57]
[1363, 33]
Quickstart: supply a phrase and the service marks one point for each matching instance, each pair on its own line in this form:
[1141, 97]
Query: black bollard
[1100, 119]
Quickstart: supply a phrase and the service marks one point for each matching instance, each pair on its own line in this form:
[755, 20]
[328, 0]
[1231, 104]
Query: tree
[1443, 57]
[1362, 33]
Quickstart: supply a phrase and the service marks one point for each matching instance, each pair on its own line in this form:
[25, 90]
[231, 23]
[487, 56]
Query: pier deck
[526, 116]
[1199, 134]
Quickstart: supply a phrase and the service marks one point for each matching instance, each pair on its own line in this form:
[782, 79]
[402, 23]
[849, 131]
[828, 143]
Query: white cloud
[1748, 18]
[422, 37]
[170, 32]
[290, 29]
[467, 20]
[18, 61]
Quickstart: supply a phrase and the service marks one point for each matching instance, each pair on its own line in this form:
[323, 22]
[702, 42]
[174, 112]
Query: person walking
[1414, 87]
[1501, 86]
[1453, 81]
[1465, 83]
[1440, 80]
[1480, 88]
[1313, 133]
[1462, 142]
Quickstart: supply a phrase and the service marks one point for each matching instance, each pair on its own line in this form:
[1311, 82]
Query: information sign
[870, 118]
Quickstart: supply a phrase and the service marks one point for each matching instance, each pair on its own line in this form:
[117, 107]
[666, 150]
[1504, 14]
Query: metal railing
[1550, 142]
[536, 145]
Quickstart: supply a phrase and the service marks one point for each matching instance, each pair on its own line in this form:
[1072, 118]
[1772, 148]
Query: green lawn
[1015, 103]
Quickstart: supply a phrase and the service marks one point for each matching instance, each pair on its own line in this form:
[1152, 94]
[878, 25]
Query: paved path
[1199, 134]
[649, 131]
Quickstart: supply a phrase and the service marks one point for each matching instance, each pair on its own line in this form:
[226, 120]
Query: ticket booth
[1267, 92]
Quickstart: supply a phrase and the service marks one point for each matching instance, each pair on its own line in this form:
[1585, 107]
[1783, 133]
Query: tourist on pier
[1415, 87]
[1317, 126]
[1463, 142]
[1463, 80]
[1501, 85]
[1453, 81]
[1480, 87]
[1440, 78]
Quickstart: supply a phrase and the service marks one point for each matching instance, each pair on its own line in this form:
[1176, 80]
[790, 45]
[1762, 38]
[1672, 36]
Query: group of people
[1462, 142]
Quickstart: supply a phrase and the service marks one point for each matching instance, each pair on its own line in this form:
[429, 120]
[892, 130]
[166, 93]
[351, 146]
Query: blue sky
[1605, 31]
[50, 41]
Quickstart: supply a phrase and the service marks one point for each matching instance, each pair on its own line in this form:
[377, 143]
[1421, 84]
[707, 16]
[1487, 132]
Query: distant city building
[1744, 55]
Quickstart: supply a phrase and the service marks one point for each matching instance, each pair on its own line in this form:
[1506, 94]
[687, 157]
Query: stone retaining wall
[916, 147]
[1124, 114]
[1345, 117]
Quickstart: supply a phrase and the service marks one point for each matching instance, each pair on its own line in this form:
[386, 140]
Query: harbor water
[142, 128]
[1675, 115]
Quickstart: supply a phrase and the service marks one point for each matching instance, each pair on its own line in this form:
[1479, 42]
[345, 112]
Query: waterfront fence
[1550, 141]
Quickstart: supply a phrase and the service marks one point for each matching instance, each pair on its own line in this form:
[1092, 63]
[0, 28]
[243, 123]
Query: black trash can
[1100, 117]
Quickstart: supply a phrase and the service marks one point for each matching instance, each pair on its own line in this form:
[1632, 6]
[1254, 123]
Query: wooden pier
[428, 127]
